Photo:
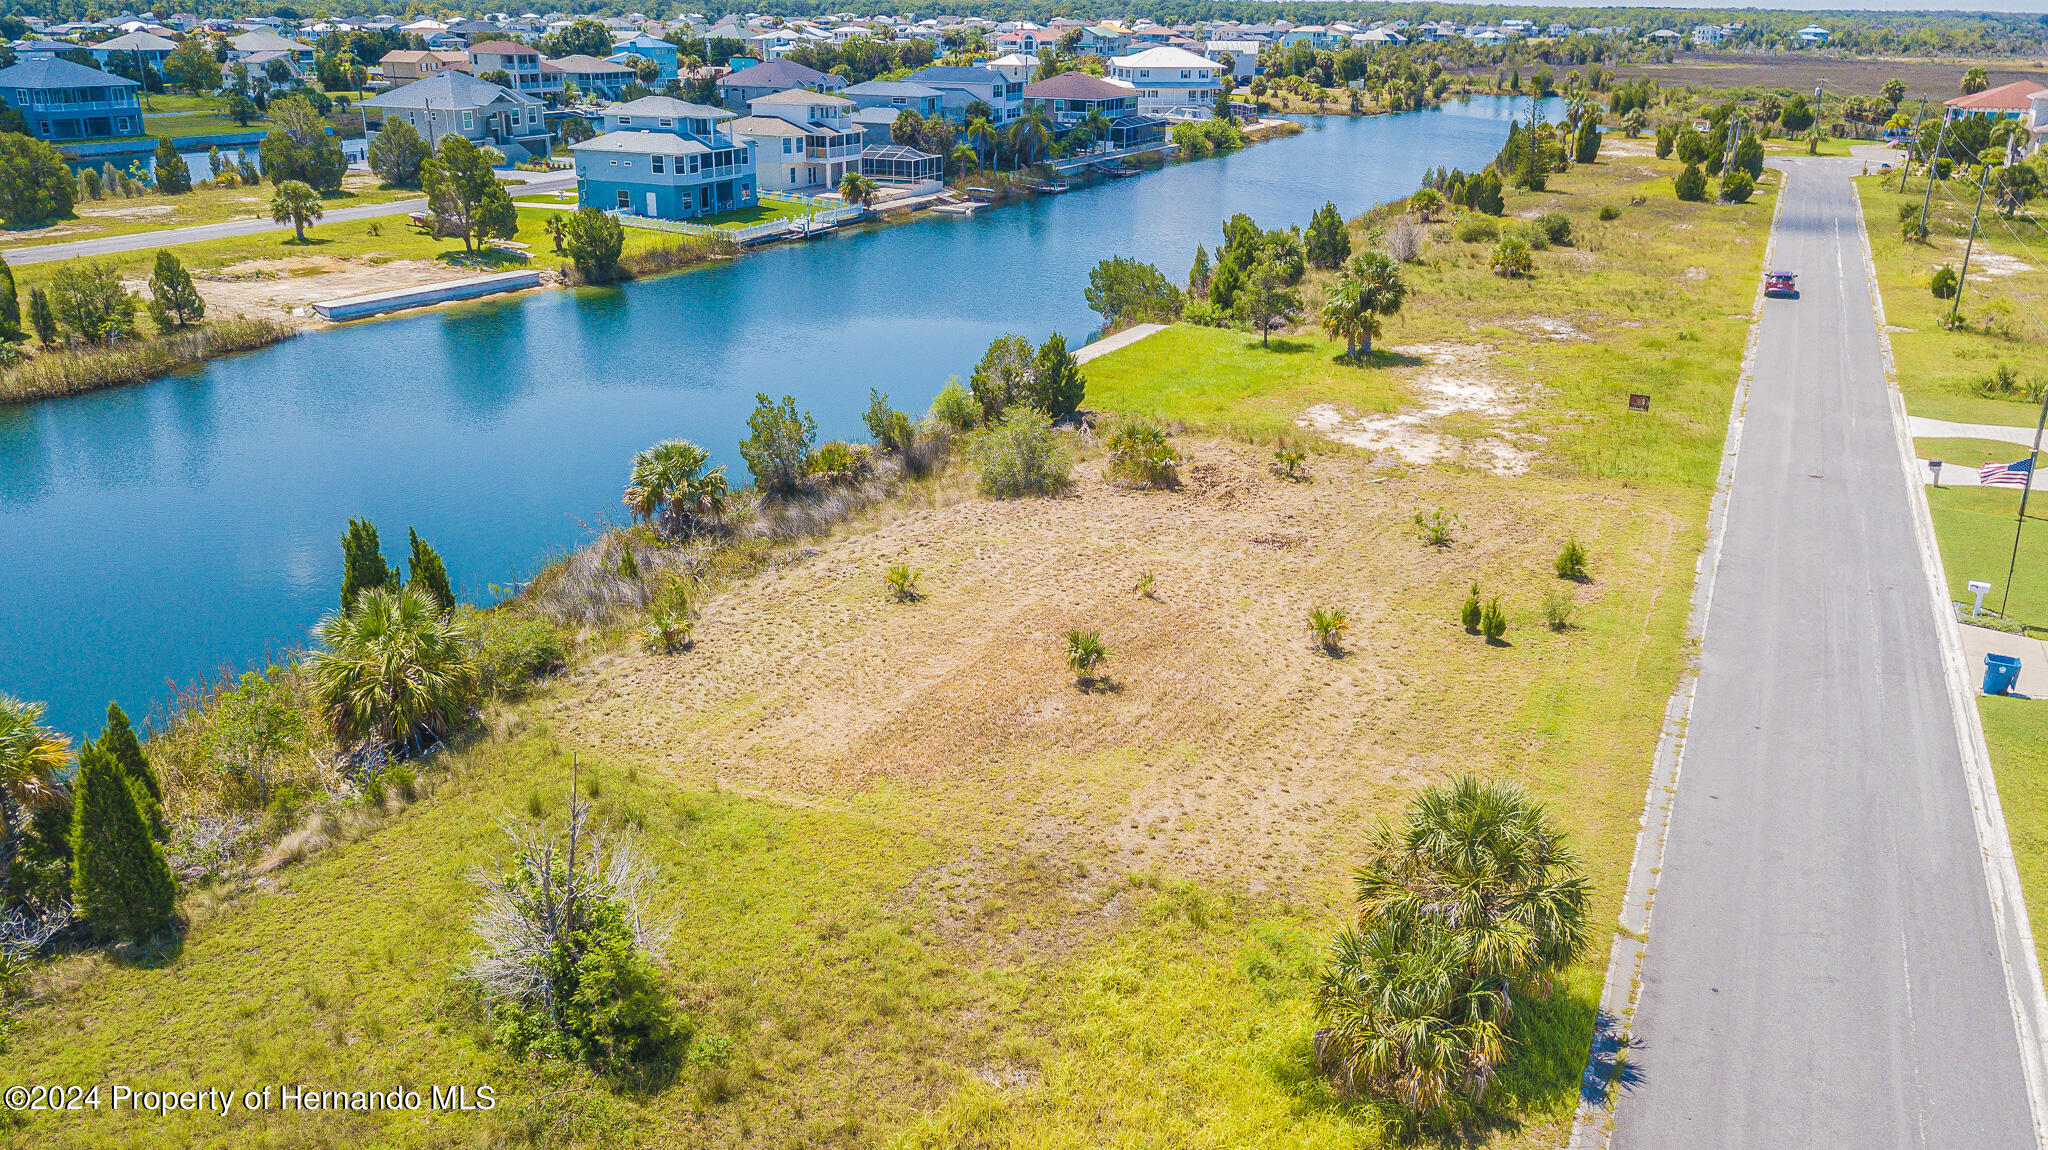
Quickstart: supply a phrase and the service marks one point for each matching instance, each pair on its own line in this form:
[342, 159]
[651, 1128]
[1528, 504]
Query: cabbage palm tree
[670, 483]
[1371, 287]
[1098, 124]
[393, 669]
[982, 135]
[963, 155]
[30, 757]
[1468, 902]
[1030, 137]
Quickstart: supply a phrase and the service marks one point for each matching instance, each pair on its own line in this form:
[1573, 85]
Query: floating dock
[447, 291]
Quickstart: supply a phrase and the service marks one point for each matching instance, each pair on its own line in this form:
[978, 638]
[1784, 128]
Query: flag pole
[2032, 459]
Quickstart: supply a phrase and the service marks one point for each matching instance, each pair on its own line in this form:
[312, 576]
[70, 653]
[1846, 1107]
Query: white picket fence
[837, 213]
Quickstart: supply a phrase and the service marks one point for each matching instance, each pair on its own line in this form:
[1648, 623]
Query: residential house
[1104, 40]
[1813, 34]
[521, 62]
[877, 125]
[667, 173]
[452, 102]
[648, 47]
[1170, 82]
[1244, 56]
[1017, 68]
[473, 31]
[1071, 97]
[741, 88]
[592, 76]
[141, 47]
[897, 96]
[803, 140]
[248, 44]
[63, 101]
[1004, 97]
[2005, 102]
[406, 65]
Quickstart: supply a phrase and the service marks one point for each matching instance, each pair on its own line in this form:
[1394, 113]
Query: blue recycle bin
[2000, 673]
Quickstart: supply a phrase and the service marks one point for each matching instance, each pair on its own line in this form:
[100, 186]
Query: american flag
[2006, 474]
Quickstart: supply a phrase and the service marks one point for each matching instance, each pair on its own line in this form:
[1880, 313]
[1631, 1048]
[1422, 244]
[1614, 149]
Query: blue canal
[152, 535]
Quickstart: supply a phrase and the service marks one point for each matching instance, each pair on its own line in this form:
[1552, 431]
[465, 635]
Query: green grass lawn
[1969, 453]
[1974, 527]
[1225, 381]
[197, 122]
[2016, 731]
[767, 210]
[2005, 303]
[205, 204]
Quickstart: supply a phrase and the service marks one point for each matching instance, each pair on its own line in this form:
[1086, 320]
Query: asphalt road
[165, 237]
[1822, 970]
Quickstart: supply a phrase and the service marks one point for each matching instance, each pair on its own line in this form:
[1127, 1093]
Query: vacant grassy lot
[1968, 453]
[2017, 732]
[206, 204]
[2003, 305]
[930, 893]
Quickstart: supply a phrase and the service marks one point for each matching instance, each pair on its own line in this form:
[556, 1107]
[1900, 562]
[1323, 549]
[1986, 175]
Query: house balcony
[57, 109]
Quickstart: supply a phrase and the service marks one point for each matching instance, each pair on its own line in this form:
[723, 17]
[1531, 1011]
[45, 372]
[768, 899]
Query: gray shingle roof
[59, 74]
[448, 89]
[669, 106]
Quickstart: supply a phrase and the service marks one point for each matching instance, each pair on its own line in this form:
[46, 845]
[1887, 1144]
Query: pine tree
[426, 571]
[120, 880]
[1328, 244]
[1057, 385]
[42, 317]
[10, 304]
[362, 562]
[174, 299]
[173, 176]
[1198, 275]
[118, 739]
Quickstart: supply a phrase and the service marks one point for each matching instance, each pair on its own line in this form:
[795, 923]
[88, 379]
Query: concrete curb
[2001, 874]
[1593, 1126]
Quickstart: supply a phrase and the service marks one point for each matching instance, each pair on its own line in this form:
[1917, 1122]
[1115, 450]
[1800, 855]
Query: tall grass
[74, 370]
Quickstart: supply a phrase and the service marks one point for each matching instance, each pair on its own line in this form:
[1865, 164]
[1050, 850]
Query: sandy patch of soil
[1990, 263]
[1611, 146]
[1457, 381]
[284, 288]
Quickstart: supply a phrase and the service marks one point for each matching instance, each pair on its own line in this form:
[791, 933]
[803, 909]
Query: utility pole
[1911, 138]
[2032, 458]
[1983, 177]
[1933, 159]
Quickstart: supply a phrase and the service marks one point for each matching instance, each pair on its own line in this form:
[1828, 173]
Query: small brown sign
[1638, 402]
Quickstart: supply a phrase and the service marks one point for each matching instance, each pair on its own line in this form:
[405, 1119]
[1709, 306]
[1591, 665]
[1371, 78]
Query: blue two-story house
[666, 159]
[65, 102]
[652, 48]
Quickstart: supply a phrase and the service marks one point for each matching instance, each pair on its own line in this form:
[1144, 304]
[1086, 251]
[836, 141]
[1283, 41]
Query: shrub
[901, 580]
[890, 429]
[1737, 187]
[1609, 212]
[1571, 561]
[1474, 229]
[1328, 625]
[567, 952]
[1691, 184]
[2005, 383]
[1493, 622]
[1287, 463]
[1530, 234]
[1085, 653]
[1141, 456]
[1021, 455]
[512, 649]
[1472, 613]
[1436, 528]
[1511, 258]
[1557, 610]
[779, 445]
[668, 631]
[954, 409]
[1945, 283]
[836, 462]
[394, 669]
[1404, 241]
[120, 879]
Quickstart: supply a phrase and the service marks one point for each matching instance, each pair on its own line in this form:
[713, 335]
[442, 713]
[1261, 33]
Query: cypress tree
[426, 571]
[173, 176]
[119, 878]
[1198, 275]
[174, 300]
[119, 740]
[1057, 385]
[10, 304]
[362, 562]
[42, 317]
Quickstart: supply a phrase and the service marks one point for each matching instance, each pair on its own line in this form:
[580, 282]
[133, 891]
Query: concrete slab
[1110, 343]
[2031, 652]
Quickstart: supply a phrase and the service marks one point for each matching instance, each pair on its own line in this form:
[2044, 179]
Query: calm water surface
[154, 534]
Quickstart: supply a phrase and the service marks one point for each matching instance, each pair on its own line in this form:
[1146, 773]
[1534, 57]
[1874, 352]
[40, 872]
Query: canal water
[151, 535]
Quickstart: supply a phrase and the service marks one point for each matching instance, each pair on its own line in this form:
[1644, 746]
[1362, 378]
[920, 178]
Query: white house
[802, 140]
[1170, 82]
[1244, 56]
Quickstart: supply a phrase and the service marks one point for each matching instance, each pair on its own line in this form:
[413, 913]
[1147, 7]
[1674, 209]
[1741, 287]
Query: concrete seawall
[399, 299]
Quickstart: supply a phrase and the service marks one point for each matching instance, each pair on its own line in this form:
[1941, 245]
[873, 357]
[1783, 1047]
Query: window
[625, 200]
[468, 121]
[625, 120]
[121, 124]
[666, 122]
[788, 144]
[656, 161]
